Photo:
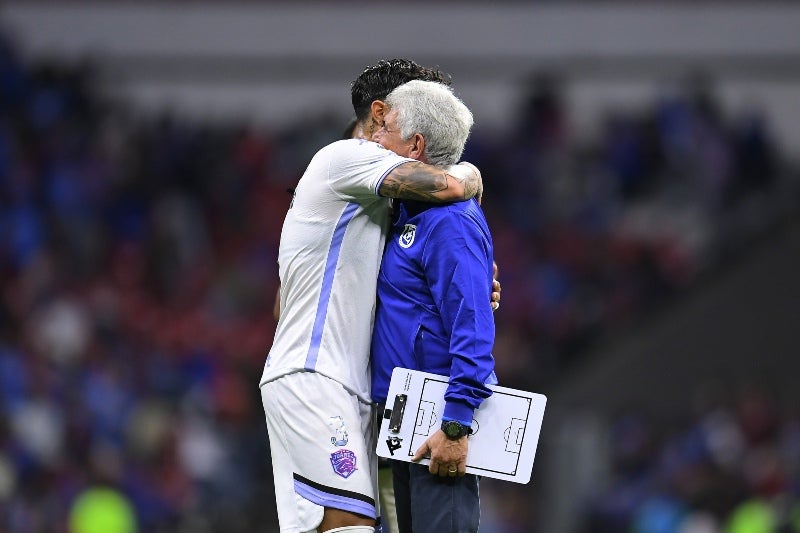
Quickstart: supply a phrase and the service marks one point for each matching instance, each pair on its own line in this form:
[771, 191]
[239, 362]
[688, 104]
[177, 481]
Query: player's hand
[448, 457]
[466, 172]
[495, 299]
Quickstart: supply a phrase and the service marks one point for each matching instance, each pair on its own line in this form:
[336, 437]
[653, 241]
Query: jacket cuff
[458, 412]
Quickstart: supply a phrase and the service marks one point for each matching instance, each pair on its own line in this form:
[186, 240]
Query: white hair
[431, 109]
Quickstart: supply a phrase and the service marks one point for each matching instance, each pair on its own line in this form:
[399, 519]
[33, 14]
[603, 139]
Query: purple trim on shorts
[327, 284]
[335, 501]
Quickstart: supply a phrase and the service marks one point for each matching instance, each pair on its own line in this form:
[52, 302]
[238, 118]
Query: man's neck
[364, 130]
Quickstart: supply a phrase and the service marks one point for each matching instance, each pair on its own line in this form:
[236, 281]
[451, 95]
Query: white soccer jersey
[330, 254]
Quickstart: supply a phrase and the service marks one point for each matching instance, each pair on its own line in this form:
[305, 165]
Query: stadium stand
[137, 275]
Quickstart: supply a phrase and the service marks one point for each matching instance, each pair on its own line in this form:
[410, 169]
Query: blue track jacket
[433, 311]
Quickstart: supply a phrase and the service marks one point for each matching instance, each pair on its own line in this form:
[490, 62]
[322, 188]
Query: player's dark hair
[377, 81]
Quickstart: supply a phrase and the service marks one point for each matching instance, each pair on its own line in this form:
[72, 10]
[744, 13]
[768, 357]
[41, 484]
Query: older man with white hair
[432, 315]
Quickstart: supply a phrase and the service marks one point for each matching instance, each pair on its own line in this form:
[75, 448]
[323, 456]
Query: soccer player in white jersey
[315, 385]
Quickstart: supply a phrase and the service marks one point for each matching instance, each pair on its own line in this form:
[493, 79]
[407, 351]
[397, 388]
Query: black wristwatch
[454, 429]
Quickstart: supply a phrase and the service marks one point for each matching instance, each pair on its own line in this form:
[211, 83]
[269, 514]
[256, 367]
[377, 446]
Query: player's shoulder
[353, 145]
[352, 150]
[335, 147]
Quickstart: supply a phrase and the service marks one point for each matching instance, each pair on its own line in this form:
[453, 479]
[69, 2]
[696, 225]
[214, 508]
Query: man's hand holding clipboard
[502, 444]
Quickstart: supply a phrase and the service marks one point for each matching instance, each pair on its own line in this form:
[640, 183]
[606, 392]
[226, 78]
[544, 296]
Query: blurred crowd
[734, 467]
[138, 278]
[589, 234]
[138, 273]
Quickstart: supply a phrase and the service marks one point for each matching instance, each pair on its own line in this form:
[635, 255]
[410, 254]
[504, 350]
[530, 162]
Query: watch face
[453, 429]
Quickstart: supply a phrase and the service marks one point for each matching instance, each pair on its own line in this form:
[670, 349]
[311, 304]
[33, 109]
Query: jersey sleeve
[458, 267]
[358, 168]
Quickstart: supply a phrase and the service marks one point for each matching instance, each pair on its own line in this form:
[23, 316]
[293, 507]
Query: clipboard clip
[395, 414]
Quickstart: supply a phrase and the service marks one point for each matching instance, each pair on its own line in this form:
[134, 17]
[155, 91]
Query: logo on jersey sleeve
[407, 237]
[343, 462]
[336, 424]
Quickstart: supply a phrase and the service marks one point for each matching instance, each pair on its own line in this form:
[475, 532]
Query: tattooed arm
[417, 181]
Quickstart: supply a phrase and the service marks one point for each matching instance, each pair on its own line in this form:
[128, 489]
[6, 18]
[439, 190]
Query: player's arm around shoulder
[415, 180]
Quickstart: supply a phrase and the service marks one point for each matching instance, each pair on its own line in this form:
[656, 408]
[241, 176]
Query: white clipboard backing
[505, 428]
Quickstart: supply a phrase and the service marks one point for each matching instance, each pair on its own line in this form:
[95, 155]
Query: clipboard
[505, 434]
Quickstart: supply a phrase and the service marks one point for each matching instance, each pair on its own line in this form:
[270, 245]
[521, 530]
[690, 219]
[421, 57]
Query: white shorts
[322, 441]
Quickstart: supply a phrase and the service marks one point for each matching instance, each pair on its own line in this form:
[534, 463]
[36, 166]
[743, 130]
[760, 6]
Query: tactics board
[505, 428]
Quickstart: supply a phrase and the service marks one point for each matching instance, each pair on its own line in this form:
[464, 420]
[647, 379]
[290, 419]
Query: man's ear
[418, 147]
[379, 110]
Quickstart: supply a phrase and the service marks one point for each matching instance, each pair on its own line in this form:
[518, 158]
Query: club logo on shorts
[343, 462]
[336, 423]
[407, 237]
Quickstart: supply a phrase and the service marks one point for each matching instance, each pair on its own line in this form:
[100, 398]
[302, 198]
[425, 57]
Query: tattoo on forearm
[418, 181]
[414, 181]
[473, 187]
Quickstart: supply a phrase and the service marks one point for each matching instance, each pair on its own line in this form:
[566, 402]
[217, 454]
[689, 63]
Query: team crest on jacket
[343, 462]
[407, 237]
